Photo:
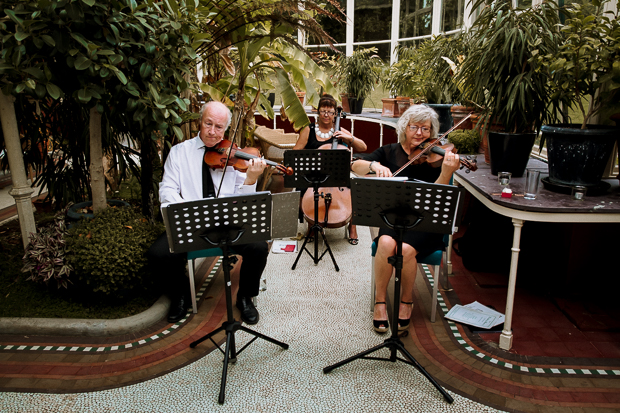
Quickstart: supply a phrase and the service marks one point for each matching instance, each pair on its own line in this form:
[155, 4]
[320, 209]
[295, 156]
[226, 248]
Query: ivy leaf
[177, 131]
[54, 91]
[84, 95]
[20, 35]
[82, 62]
[80, 39]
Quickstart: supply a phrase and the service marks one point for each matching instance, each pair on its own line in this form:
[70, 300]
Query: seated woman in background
[417, 125]
[321, 133]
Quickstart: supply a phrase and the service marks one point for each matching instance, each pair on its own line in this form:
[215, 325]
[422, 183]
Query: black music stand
[402, 206]
[222, 223]
[314, 168]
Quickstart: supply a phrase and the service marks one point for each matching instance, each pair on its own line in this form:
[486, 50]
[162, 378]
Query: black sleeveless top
[313, 143]
[394, 156]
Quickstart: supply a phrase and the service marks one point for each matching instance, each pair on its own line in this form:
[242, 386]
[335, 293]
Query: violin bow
[430, 146]
[219, 188]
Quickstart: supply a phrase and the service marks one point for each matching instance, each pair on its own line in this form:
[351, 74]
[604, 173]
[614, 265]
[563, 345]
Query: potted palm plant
[585, 77]
[357, 75]
[501, 72]
[422, 74]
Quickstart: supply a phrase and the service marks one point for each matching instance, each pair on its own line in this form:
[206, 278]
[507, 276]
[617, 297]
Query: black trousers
[169, 268]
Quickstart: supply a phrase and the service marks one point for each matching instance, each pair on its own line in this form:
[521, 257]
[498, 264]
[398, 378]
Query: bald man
[183, 181]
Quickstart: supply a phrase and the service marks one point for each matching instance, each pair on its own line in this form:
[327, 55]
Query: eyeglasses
[327, 112]
[414, 129]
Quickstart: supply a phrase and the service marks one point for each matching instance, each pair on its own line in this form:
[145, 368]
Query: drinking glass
[504, 178]
[532, 180]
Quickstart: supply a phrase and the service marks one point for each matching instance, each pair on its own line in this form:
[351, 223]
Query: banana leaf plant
[263, 50]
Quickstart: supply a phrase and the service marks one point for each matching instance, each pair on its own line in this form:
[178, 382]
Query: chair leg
[192, 286]
[435, 289]
[372, 285]
[448, 262]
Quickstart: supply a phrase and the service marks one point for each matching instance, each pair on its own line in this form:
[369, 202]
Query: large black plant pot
[356, 105]
[510, 152]
[445, 115]
[578, 156]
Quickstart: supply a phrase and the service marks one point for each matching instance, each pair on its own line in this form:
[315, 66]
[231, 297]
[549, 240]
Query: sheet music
[475, 314]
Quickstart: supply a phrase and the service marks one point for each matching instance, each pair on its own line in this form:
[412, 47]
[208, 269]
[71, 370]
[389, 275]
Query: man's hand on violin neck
[256, 166]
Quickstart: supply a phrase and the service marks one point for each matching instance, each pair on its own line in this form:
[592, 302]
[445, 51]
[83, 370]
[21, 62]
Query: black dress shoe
[249, 313]
[178, 309]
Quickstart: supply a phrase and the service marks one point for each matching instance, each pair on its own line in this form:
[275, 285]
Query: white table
[547, 207]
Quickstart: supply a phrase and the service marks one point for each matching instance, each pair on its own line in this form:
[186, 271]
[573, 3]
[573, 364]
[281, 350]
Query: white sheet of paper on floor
[281, 247]
[475, 314]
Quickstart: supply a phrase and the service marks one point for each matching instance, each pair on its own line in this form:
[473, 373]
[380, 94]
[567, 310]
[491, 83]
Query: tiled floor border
[454, 330]
[440, 299]
[141, 342]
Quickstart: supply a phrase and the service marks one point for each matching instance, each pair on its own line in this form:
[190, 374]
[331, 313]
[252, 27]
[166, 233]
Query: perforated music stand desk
[221, 223]
[314, 168]
[402, 206]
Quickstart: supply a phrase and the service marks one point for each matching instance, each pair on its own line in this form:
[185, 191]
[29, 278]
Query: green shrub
[466, 141]
[108, 251]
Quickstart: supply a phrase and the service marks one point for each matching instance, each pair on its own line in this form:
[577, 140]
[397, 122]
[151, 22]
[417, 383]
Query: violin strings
[433, 144]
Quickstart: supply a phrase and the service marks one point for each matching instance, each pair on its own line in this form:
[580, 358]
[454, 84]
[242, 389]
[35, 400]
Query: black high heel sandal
[381, 326]
[403, 324]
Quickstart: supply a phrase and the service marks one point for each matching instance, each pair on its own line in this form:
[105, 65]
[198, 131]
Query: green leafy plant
[45, 257]
[502, 72]
[421, 72]
[586, 68]
[359, 73]
[466, 141]
[108, 251]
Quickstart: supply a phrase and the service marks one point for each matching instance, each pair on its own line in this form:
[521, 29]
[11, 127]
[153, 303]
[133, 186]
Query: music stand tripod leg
[231, 326]
[414, 362]
[394, 343]
[328, 249]
[315, 229]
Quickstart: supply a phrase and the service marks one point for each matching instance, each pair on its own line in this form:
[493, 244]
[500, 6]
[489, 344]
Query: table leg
[505, 339]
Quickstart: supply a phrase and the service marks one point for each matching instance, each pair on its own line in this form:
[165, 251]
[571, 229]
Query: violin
[335, 210]
[433, 153]
[218, 157]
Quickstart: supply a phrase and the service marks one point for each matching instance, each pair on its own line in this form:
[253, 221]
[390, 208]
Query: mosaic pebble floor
[323, 315]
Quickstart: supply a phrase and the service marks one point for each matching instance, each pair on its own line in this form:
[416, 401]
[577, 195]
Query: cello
[335, 208]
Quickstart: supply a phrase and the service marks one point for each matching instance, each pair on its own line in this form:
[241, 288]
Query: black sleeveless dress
[394, 156]
[313, 143]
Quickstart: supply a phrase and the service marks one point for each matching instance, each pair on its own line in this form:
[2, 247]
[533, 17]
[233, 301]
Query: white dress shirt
[182, 179]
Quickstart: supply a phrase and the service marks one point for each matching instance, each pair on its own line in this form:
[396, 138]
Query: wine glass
[504, 178]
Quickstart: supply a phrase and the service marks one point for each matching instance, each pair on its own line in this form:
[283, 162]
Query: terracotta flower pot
[390, 108]
[403, 103]
[459, 112]
[301, 96]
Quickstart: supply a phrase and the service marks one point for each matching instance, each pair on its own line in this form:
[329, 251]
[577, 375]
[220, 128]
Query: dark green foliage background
[466, 141]
[108, 252]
